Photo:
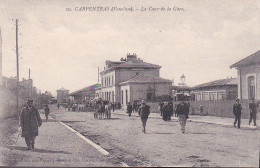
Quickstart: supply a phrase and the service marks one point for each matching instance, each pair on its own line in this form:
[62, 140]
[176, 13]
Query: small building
[62, 96]
[248, 70]
[85, 94]
[26, 89]
[119, 80]
[144, 86]
[223, 89]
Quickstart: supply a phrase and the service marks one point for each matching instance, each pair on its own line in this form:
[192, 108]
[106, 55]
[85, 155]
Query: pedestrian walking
[171, 110]
[47, 111]
[129, 109]
[58, 106]
[253, 111]
[237, 108]
[134, 106]
[144, 112]
[182, 112]
[166, 110]
[30, 120]
[201, 109]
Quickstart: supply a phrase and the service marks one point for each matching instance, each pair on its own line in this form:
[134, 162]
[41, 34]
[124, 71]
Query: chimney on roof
[131, 57]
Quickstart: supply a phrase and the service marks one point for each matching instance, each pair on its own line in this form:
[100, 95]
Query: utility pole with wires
[98, 74]
[17, 63]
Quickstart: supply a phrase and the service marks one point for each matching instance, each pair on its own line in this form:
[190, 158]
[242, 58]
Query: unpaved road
[163, 144]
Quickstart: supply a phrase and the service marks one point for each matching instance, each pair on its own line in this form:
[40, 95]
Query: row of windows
[107, 81]
[106, 96]
[210, 96]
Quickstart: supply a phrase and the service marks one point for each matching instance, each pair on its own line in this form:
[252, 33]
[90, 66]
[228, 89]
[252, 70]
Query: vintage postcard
[129, 83]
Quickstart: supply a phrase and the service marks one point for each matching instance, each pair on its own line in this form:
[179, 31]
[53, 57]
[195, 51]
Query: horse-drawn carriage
[102, 109]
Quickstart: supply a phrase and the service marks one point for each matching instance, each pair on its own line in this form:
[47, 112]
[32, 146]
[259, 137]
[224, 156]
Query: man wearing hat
[237, 108]
[144, 112]
[30, 120]
[47, 111]
[182, 112]
[253, 110]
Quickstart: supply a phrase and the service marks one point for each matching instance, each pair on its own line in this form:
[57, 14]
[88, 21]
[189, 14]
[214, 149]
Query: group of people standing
[237, 109]
[166, 108]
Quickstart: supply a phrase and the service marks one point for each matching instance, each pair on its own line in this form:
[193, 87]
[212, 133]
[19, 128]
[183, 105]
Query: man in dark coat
[129, 109]
[253, 111]
[237, 108]
[171, 110]
[144, 112]
[166, 111]
[30, 120]
[47, 112]
[182, 112]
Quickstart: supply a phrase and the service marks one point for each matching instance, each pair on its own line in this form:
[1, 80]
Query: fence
[8, 106]
[219, 108]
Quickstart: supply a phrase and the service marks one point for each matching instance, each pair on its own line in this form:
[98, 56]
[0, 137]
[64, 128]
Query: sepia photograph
[129, 83]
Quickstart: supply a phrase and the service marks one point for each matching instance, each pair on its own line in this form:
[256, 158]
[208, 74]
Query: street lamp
[183, 83]
[183, 79]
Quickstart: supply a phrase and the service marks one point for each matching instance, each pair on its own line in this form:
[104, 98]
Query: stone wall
[8, 106]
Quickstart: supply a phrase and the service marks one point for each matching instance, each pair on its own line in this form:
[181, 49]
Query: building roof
[86, 89]
[63, 89]
[250, 60]
[130, 62]
[146, 78]
[221, 82]
[181, 87]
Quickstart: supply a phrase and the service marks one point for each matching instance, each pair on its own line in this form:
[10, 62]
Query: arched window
[251, 87]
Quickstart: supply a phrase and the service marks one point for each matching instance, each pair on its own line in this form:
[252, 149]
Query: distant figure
[144, 112]
[47, 112]
[161, 104]
[253, 111]
[237, 108]
[108, 107]
[201, 109]
[171, 110]
[175, 110]
[113, 106]
[129, 109]
[102, 110]
[135, 106]
[119, 105]
[188, 105]
[69, 107]
[58, 106]
[29, 121]
[166, 111]
[182, 112]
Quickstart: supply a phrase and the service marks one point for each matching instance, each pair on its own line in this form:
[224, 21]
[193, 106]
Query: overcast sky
[65, 48]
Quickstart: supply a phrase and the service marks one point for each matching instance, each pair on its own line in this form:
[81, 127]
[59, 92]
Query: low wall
[220, 108]
[8, 106]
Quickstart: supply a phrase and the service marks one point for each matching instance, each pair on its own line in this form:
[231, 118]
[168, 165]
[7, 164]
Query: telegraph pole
[98, 74]
[17, 64]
